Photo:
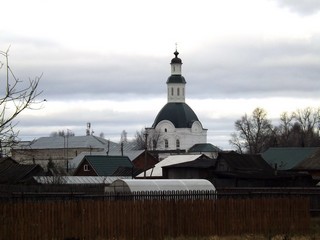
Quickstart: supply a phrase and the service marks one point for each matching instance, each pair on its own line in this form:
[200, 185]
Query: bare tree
[253, 132]
[16, 96]
[308, 120]
[62, 133]
[153, 139]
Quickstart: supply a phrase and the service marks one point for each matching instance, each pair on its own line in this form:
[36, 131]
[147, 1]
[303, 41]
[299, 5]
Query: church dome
[180, 114]
[176, 59]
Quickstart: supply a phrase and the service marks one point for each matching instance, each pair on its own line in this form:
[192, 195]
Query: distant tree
[101, 135]
[123, 137]
[15, 97]
[307, 122]
[298, 129]
[153, 139]
[253, 132]
[62, 133]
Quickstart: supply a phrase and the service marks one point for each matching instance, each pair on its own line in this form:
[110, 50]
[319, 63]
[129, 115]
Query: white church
[176, 126]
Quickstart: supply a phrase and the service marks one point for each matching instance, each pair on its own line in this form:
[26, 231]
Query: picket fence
[152, 218]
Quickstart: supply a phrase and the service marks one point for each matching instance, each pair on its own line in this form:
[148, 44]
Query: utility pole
[145, 152]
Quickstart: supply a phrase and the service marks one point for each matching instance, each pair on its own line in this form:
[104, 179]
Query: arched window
[178, 91]
[177, 143]
[165, 130]
[166, 143]
[171, 91]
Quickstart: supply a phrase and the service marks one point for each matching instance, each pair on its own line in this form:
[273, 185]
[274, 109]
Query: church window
[166, 143]
[182, 91]
[171, 91]
[178, 91]
[178, 143]
[165, 130]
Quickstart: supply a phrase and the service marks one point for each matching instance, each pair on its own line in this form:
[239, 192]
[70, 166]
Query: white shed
[147, 185]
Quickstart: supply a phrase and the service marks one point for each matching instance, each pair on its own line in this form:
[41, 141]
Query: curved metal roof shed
[144, 185]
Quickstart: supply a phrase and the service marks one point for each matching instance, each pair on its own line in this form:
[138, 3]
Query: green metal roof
[286, 158]
[204, 147]
[176, 79]
[107, 165]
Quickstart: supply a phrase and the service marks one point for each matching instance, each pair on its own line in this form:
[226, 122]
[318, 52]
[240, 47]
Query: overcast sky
[107, 62]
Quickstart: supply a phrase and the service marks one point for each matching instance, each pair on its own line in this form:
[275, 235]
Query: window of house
[166, 143]
[178, 143]
[86, 168]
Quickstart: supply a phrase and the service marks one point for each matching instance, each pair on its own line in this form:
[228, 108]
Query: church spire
[176, 82]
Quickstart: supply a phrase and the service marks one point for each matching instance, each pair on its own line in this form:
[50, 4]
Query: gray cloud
[303, 7]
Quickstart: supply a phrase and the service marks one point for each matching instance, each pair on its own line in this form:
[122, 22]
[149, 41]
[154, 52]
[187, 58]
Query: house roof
[131, 154]
[156, 171]
[11, 172]
[89, 141]
[312, 162]
[245, 161]
[107, 165]
[287, 158]
[198, 163]
[204, 147]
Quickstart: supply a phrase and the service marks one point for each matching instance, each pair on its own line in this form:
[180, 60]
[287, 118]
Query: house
[200, 168]
[230, 169]
[61, 149]
[244, 170]
[11, 172]
[295, 160]
[139, 159]
[99, 165]
[156, 171]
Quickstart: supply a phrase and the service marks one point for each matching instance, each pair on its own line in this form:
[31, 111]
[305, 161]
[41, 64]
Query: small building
[156, 171]
[11, 172]
[99, 165]
[148, 185]
[295, 159]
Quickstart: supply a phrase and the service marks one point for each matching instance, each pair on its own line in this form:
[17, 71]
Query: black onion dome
[176, 59]
[180, 114]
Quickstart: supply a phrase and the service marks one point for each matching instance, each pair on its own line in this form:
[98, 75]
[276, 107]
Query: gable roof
[11, 172]
[245, 161]
[287, 158]
[312, 162]
[131, 154]
[89, 141]
[156, 171]
[198, 163]
[106, 165]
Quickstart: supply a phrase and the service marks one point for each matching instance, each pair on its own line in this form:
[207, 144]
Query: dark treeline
[256, 133]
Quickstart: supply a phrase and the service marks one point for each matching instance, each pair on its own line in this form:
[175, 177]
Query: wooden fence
[151, 219]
